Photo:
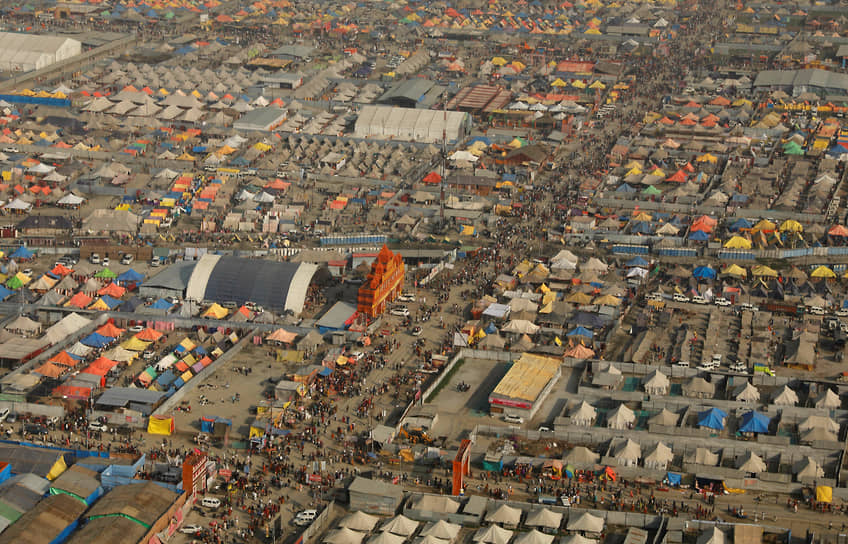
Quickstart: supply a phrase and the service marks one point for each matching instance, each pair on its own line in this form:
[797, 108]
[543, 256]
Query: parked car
[305, 517]
[105, 261]
[407, 297]
[210, 502]
[401, 311]
[192, 529]
[721, 301]
[841, 312]
[510, 418]
[680, 298]
[698, 299]
[94, 258]
[98, 426]
[35, 428]
[127, 259]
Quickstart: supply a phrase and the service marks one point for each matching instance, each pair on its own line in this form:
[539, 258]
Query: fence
[354, 239]
[34, 409]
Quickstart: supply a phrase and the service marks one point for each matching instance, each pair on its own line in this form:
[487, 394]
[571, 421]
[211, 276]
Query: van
[698, 299]
[709, 365]
[738, 367]
[510, 418]
[210, 502]
[680, 298]
[816, 310]
[682, 364]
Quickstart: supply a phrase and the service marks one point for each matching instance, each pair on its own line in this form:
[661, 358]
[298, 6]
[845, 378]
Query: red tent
[679, 177]
[432, 177]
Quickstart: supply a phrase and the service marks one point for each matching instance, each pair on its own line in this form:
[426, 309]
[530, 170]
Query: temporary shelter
[746, 393]
[359, 521]
[656, 383]
[533, 537]
[627, 453]
[344, 536]
[584, 522]
[492, 535]
[751, 463]
[827, 400]
[659, 457]
[584, 415]
[442, 530]
[620, 418]
[505, 515]
[544, 518]
[400, 525]
[807, 469]
[785, 396]
[581, 455]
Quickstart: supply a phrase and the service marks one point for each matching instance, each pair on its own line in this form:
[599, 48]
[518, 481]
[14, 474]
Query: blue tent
[704, 272]
[712, 419]
[636, 261]
[740, 223]
[490, 329]
[162, 304]
[21, 253]
[111, 302]
[754, 422]
[5, 292]
[674, 479]
[625, 188]
[95, 340]
[130, 276]
[699, 236]
[580, 331]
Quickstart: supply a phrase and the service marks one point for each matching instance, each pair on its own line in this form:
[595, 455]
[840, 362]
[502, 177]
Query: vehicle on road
[210, 502]
[698, 299]
[127, 259]
[721, 301]
[511, 418]
[98, 426]
[680, 298]
[192, 529]
[401, 311]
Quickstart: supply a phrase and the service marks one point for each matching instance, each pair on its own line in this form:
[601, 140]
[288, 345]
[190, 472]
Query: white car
[191, 529]
[127, 259]
[97, 426]
[510, 418]
[406, 297]
[94, 258]
[401, 311]
[105, 261]
[698, 299]
[210, 502]
[721, 301]
[680, 298]
[841, 312]
[305, 517]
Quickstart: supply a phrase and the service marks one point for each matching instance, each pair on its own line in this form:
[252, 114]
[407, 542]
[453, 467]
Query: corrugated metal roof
[121, 396]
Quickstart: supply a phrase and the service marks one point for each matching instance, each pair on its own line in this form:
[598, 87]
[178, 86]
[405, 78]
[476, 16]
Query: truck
[784, 308]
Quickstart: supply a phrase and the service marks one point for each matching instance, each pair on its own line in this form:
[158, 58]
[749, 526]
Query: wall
[164, 521]
[317, 527]
[34, 409]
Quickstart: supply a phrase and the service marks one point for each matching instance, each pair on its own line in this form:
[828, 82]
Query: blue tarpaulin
[712, 419]
[162, 304]
[95, 340]
[704, 272]
[580, 331]
[21, 253]
[699, 236]
[5, 292]
[740, 223]
[674, 479]
[130, 276]
[754, 422]
[637, 261]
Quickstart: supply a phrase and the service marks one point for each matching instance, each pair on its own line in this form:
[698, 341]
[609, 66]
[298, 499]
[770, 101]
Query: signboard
[510, 403]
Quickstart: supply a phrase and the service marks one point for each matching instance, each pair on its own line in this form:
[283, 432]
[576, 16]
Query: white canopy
[828, 400]
[71, 199]
[585, 522]
[818, 422]
[659, 457]
[703, 456]
[807, 469]
[344, 536]
[584, 415]
[581, 455]
[665, 417]
[492, 535]
[656, 383]
[359, 521]
[594, 265]
[505, 515]
[621, 417]
[746, 393]
[442, 530]
[520, 326]
[400, 525]
[577, 539]
[785, 396]
[544, 518]
[751, 462]
[386, 538]
[627, 453]
[534, 537]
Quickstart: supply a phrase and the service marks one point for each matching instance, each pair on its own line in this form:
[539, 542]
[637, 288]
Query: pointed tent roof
[665, 417]
[751, 462]
[533, 537]
[584, 521]
[493, 534]
[828, 400]
[544, 518]
[785, 396]
[807, 468]
[659, 455]
[581, 455]
[400, 525]
[504, 514]
[746, 392]
[442, 529]
[754, 422]
[359, 521]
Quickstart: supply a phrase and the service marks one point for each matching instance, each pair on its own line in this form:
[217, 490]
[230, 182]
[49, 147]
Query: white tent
[442, 530]
[584, 522]
[627, 453]
[703, 456]
[620, 418]
[818, 422]
[656, 383]
[359, 521]
[492, 535]
[577, 539]
[785, 396]
[818, 435]
[520, 326]
[71, 199]
[386, 538]
[665, 417]
[344, 536]
[400, 525]
[828, 400]
[534, 537]
[581, 455]
[594, 265]
[545, 518]
[713, 535]
[807, 469]
[430, 540]
[24, 324]
[505, 515]
[584, 415]
[751, 462]
[746, 393]
[659, 457]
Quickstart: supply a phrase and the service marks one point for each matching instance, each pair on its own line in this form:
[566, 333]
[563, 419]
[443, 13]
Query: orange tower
[383, 284]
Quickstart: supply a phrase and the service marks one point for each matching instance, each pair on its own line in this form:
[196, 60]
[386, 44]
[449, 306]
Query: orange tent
[110, 330]
[60, 270]
[64, 358]
[49, 370]
[149, 335]
[679, 177]
[113, 290]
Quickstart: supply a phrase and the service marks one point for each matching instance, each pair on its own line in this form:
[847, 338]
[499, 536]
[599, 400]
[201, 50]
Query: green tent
[106, 273]
[651, 190]
[14, 283]
[792, 148]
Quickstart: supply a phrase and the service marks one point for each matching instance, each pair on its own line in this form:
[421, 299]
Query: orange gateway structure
[383, 284]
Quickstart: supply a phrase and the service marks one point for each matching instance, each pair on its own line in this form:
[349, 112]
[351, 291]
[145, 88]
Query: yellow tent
[578, 84]
[57, 469]
[635, 171]
[763, 270]
[515, 143]
[160, 425]
[99, 305]
[261, 146]
[763, 224]
[544, 289]
[824, 494]
[737, 242]
[559, 83]
[216, 311]
[642, 216]
[547, 308]
[467, 230]
[707, 157]
[187, 344]
[578, 298]
[823, 272]
[792, 226]
[499, 61]
[607, 300]
[597, 85]
[256, 432]
[134, 344]
[187, 375]
[736, 270]
[592, 31]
